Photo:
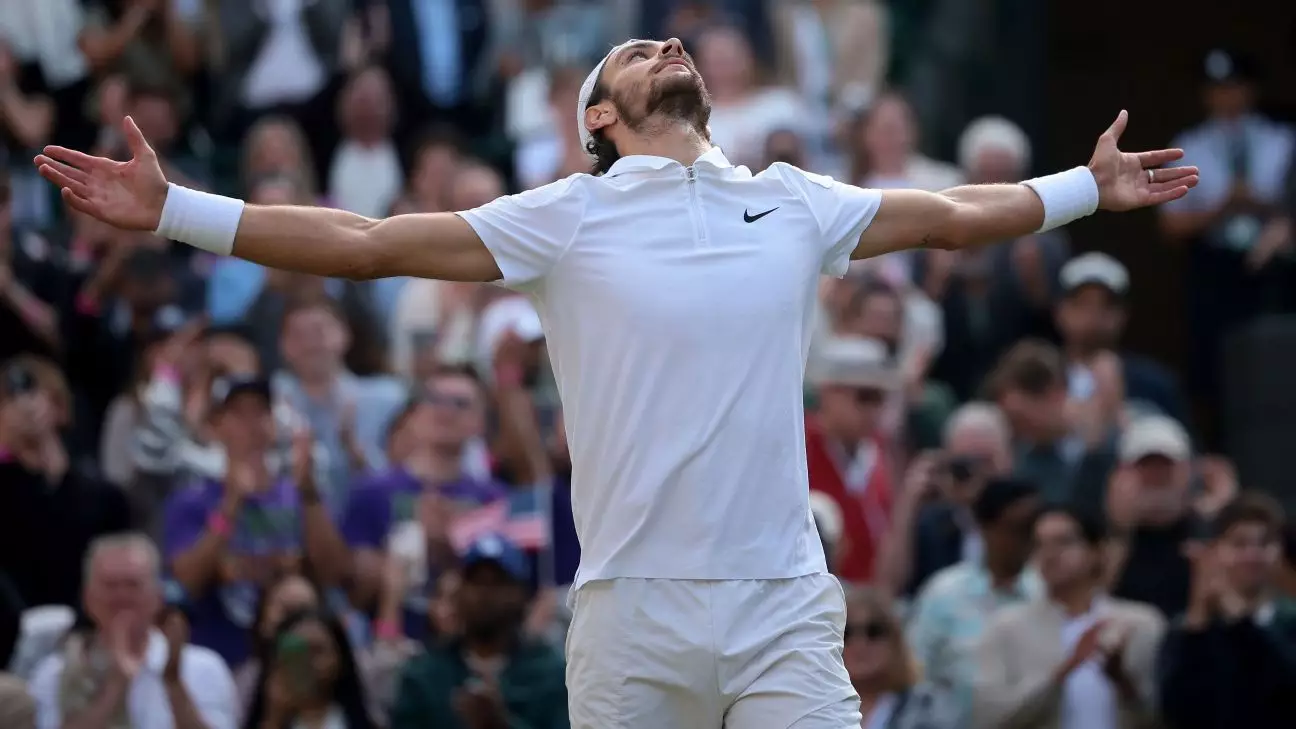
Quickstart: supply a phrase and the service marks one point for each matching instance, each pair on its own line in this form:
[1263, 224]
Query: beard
[674, 98]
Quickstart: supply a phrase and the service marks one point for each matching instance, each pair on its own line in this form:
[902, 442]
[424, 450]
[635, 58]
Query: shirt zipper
[695, 208]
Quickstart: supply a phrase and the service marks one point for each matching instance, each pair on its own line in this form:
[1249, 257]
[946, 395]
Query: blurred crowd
[239, 497]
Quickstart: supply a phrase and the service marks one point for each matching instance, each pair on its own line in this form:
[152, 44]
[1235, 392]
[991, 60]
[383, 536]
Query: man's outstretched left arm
[972, 215]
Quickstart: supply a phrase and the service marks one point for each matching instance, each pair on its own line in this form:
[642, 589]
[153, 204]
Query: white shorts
[696, 654]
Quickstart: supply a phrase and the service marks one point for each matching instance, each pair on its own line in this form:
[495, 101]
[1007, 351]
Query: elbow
[955, 227]
[368, 259]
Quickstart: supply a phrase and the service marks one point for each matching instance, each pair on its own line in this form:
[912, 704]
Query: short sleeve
[841, 211]
[184, 518]
[527, 233]
[367, 518]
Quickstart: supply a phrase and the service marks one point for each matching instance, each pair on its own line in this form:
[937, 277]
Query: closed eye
[638, 54]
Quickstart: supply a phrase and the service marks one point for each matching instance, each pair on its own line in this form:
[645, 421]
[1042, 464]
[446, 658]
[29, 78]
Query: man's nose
[673, 47]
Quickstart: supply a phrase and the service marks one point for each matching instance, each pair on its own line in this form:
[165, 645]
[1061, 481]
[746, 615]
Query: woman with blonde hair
[884, 671]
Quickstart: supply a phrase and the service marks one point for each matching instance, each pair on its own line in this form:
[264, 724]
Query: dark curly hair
[602, 149]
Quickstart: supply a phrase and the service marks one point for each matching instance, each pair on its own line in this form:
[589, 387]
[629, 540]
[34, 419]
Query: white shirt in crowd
[202, 671]
[287, 69]
[365, 180]
[741, 128]
[1088, 699]
[678, 305]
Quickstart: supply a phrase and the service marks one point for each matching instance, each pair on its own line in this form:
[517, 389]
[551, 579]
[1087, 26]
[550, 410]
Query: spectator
[1243, 157]
[26, 125]
[276, 146]
[555, 151]
[1100, 674]
[228, 539]
[933, 527]
[51, 63]
[346, 413]
[1091, 318]
[1149, 504]
[845, 72]
[1065, 450]
[49, 511]
[429, 489]
[365, 176]
[883, 671]
[312, 678]
[847, 458]
[125, 673]
[742, 112]
[958, 602]
[34, 286]
[884, 150]
[291, 595]
[159, 111]
[492, 674]
[1232, 660]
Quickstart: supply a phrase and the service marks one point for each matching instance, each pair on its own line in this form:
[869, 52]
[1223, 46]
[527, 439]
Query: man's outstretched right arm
[134, 195]
[339, 244]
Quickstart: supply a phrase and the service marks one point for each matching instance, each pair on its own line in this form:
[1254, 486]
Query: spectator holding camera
[49, 511]
[1074, 658]
[932, 526]
[1231, 660]
[126, 674]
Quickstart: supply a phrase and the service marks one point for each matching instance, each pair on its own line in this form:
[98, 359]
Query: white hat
[1155, 435]
[1095, 268]
[587, 90]
[857, 361]
[827, 516]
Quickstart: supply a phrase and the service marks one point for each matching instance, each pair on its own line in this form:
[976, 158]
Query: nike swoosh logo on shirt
[749, 218]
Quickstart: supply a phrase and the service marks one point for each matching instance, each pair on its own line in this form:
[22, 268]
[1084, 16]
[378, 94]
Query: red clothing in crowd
[861, 485]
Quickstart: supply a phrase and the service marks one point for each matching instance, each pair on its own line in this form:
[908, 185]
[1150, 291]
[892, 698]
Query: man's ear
[600, 116]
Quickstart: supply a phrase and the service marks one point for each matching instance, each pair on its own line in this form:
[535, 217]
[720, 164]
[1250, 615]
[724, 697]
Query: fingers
[65, 177]
[1160, 187]
[135, 141]
[73, 157]
[1171, 174]
[1118, 127]
[1158, 157]
[78, 203]
[1160, 198]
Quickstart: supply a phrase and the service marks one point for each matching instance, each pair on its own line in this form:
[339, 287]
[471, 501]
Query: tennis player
[676, 292]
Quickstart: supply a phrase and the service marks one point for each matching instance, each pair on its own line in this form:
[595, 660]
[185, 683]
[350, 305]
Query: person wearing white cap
[677, 294]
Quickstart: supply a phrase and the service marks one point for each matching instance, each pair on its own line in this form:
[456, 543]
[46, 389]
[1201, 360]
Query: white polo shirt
[203, 673]
[678, 305]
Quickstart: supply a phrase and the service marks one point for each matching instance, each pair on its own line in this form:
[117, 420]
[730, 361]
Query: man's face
[1090, 318]
[1034, 415]
[1229, 100]
[1063, 556]
[368, 105]
[122, 586]
[651, 79]
[995, 165]
[881, 317]
[245, 424]
[489, 601]
[889, 129]
[850, 413]
[454, 412]
[1249, 554]
[475, 186]
[784, 146]
[1162, 488]
[156, 117]
[1008, 540]
[31, 416]
[314, 341]
[973, 454]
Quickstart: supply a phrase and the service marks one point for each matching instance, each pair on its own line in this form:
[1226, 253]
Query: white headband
[587, 90]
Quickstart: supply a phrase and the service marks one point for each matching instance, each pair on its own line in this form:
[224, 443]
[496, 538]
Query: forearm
[895, 562]
[325, 548]
[104, 46]
[319, 241]
[100, 711]
[184, 715]
[196, 568]
[988, 214]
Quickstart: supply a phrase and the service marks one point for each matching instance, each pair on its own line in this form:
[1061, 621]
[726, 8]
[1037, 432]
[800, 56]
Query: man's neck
[1075, 600]
[320, 386]
[1001, 577]
[674, 139]
[435, 465]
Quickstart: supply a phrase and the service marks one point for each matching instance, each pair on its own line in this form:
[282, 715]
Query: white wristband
[1067, 196]
[201, 219]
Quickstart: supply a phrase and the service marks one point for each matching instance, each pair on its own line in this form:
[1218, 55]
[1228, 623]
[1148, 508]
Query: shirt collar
[713, 158]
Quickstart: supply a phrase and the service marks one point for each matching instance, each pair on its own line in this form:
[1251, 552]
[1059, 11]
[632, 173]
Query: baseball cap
[226, 388]
[1154, 435]
[498, 550]
[1097, 269]
[855, 361]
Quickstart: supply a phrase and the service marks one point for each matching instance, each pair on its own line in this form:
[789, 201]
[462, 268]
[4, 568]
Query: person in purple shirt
[224, 541]
[430, 481]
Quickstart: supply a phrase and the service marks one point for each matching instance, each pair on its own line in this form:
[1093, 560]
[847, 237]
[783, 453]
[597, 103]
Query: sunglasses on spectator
[872, 630]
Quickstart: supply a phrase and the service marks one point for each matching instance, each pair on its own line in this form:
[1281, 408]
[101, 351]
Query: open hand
[1128, 180]
[127, 195]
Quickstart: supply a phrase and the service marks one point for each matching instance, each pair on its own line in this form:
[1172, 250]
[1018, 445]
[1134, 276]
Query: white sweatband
[1067, 196]
[200, 219]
